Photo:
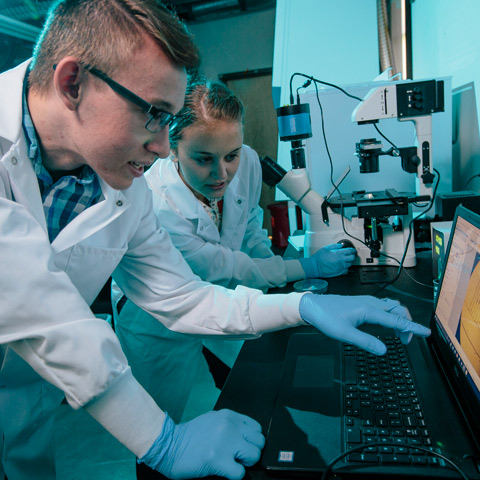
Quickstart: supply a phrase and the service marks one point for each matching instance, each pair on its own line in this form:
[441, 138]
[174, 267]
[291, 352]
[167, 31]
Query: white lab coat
[240, 253]
[171, 366]
[46, 325]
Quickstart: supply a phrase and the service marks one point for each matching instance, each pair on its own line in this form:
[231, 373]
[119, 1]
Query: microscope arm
[415, 101]
[423, 129]
[296, 185]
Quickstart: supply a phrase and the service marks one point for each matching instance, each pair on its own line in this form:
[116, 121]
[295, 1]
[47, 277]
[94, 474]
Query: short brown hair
[205, 100]
[104, 32]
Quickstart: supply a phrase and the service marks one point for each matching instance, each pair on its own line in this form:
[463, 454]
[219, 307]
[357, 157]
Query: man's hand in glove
[215, 443]
[339, 316]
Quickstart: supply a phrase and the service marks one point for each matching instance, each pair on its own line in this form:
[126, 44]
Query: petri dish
[316, 285]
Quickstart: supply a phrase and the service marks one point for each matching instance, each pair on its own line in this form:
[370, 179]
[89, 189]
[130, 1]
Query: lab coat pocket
[89, 267]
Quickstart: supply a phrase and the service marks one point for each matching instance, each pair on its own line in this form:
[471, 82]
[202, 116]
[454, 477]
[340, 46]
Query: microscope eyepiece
[272, 172]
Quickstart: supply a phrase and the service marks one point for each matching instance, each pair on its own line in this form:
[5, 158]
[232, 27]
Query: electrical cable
[342, 208]
[328, 468]
[325, 140]
[331, 164]
[470, 179]
[389, 141]
[429, 206]
[410, 232]
[316, 80]
[305, 85]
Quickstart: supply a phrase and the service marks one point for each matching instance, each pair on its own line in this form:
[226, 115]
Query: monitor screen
[457, 311]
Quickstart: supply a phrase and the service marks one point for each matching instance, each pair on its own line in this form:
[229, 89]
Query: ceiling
[33, 12]
[21, 20]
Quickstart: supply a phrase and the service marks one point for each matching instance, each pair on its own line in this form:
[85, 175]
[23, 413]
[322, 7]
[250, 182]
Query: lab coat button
[201, 228]
[119, 203]
[14, 160]
[239, 201]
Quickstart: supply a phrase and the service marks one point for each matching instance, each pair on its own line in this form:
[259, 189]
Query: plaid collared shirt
[70, 195]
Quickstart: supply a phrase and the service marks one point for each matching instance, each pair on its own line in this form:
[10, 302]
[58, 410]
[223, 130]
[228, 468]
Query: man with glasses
[157, 118]
[78, 126]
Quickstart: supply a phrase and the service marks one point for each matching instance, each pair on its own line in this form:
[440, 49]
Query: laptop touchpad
[314, 371]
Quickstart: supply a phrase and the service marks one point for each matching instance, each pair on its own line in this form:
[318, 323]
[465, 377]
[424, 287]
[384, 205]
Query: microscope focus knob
[345, 243]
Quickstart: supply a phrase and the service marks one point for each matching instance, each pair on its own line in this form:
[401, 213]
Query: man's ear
[68, 80]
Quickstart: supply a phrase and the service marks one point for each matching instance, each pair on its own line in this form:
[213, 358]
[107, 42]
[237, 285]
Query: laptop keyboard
[381, 405]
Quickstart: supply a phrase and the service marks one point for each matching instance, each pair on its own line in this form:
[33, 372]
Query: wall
[337, 41]
[333, 40]
[236, 44]
[240, 44]
[446, 39]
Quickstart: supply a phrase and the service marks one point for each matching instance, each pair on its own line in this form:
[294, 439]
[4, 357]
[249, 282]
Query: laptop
[413, 413]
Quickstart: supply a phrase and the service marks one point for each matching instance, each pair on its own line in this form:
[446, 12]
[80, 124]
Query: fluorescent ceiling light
[17, 29]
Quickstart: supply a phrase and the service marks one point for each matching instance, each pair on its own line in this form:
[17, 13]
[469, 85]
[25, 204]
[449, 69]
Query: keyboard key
[380, 396]
[370, 458]
[363, 457]
[353, 435]
[385, 449]
[416, 459]
[410, 421]
[395, 458]
[414, 441]
[350, 373]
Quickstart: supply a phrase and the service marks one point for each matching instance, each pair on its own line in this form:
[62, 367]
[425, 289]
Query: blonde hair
[103, 33]
[205, 100]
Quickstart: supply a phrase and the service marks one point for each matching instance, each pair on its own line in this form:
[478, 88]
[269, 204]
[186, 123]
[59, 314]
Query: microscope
[380, 227]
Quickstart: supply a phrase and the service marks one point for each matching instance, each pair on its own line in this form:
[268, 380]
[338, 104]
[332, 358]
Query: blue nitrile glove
[215, 443]
[329, 261]
[338, 316]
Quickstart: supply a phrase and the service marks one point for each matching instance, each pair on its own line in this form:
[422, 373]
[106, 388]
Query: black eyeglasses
[158, 118]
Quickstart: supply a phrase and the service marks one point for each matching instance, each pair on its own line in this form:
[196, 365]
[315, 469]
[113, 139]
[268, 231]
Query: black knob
[345, 243]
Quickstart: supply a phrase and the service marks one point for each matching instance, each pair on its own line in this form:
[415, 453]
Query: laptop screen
[457, 311]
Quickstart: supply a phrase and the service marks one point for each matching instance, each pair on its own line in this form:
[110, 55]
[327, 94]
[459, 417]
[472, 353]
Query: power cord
[316, 80]
[359, 448]
[470, 179]
[397, 150]
[410, 232]
[342, 208]
[341, 197]
[410, 225]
